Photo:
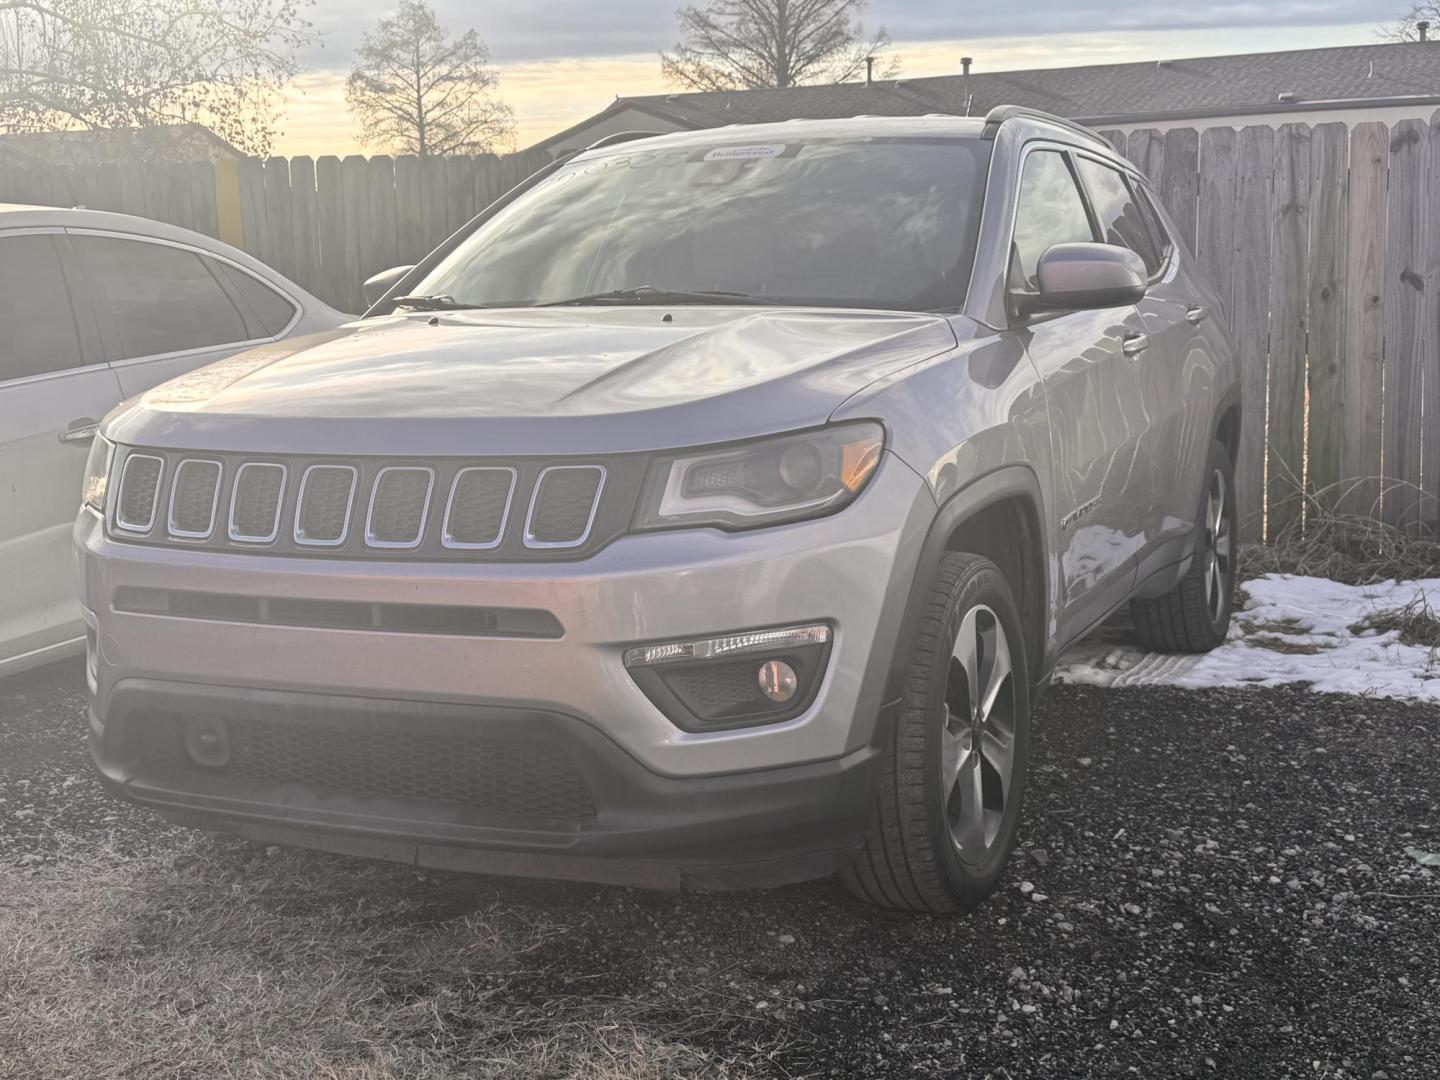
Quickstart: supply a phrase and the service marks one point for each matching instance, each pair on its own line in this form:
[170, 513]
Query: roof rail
[621, 137]
[998, 115]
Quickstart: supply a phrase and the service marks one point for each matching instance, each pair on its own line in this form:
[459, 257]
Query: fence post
[1328, 301]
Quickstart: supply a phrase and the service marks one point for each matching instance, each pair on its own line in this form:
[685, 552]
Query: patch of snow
[1289, 629]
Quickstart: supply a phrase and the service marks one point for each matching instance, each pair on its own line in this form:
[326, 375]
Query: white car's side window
[35, 309]
[162, 298]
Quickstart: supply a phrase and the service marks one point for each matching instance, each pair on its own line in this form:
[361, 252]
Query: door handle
[80, 431]
[1196, 315]
[1136, 343]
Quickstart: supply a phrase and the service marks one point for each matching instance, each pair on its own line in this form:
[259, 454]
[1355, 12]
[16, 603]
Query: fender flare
[1006, 482]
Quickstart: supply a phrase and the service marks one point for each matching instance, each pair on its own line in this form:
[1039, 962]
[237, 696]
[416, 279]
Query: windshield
[868, 223]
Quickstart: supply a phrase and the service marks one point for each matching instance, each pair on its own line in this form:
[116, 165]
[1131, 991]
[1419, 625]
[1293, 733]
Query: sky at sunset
[560, 61]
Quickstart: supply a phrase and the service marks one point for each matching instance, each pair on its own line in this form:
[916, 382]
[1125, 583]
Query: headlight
[97, 473]
[764, 482]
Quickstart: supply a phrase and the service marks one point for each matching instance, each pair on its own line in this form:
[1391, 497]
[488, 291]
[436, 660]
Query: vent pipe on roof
[1423, 28]
[869, 70]
[965, 62]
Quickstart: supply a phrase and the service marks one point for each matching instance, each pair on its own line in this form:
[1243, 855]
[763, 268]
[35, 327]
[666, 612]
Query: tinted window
[1050, 211]
[1158, 233]
[35, 310]
[879, 223]
[1122, 221]
[266, 308]
[164, 298]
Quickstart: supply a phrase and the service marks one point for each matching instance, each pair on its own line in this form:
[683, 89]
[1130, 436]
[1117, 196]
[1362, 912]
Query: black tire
[1194, 617]
[914, 858]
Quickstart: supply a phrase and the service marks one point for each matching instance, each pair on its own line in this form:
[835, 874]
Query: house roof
[1236, 85]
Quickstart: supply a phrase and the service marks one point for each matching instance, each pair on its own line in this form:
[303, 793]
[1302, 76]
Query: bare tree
[1408, 26]
[418, 92]
[747, 44]
[96, 64]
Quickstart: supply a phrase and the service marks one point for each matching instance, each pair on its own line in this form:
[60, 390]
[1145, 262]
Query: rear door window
[1122, 220]
[35, 309]
[162, 299]
[1050, 211]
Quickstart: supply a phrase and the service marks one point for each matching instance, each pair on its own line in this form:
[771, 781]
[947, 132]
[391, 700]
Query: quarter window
[35, 310]
[1051, 211]
[270, 311]
[163, 298]
[1122, 221]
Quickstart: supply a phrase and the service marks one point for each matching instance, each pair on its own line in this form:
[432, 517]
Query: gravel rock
[1222, 902]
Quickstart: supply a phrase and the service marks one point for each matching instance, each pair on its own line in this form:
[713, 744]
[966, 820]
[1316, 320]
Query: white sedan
[95, 308]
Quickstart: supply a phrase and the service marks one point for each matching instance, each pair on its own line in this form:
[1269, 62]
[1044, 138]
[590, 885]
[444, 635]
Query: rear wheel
[1195, 615]
[948, 808]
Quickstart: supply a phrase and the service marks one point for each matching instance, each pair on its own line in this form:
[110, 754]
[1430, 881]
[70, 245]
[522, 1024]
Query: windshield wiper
[438, 302]
[649, 294]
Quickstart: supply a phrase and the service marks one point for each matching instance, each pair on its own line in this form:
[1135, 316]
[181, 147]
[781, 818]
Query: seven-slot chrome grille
[440, 508]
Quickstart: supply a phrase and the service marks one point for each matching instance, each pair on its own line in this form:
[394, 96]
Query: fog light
[734, 680]
[778, 680]
[208, 743]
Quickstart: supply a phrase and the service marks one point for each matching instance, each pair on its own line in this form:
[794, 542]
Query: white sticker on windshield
[745, 153]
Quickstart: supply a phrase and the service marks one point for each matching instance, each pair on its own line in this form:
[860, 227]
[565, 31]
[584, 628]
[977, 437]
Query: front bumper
[672, 807]
[761, 827]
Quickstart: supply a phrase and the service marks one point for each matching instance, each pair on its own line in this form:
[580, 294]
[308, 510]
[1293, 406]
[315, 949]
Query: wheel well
[1228, 431]
[1007, 532]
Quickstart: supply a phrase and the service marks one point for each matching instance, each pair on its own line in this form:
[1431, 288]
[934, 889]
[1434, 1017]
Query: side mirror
[383, 282]
[1082, 277]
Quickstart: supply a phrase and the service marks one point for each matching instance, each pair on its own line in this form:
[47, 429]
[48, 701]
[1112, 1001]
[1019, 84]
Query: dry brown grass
[217, 963]
[1351, 548]
[1417, 623]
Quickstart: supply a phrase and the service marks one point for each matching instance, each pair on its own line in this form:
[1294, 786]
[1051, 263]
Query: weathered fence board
[305, 219]
[1364, 351]
[1179, 179]
[1405, 331]
[1250, 319]
[1429, 508]
[1290, 255]
[1329, 164]
[1215, 212]
[277, 214]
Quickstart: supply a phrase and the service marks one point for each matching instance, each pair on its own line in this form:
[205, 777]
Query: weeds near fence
[1352, 548]
[1417, 623]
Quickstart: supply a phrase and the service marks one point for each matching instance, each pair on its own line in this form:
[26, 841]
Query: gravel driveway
[1213, 884]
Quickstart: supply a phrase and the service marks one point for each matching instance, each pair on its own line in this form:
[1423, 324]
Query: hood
[581, 380]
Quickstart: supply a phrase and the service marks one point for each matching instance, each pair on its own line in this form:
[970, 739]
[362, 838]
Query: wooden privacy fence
[327, 224]
[1324, 242]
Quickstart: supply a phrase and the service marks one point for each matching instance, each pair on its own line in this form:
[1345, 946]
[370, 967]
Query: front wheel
[948, 808]
[1194, 617]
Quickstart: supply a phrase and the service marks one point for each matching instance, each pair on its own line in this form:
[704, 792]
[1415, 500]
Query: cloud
[549, 93]
[550, 29]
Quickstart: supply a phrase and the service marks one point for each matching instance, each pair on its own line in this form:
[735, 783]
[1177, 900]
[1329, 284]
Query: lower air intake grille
[500, 776]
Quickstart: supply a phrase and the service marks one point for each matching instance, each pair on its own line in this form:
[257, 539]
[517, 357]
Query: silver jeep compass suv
[708, 512]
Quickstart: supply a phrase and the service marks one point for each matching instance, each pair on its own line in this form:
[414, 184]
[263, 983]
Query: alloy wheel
[1219, 547]
[977, 744]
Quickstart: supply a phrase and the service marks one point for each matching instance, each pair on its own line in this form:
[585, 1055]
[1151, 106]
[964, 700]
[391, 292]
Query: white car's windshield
[869, 223]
